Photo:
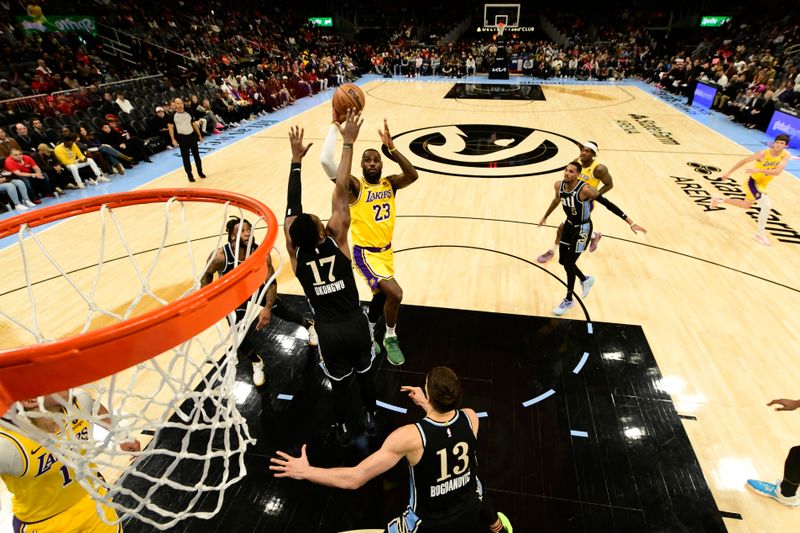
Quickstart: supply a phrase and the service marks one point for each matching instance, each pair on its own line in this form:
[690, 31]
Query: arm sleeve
[294, 195]
[327, 158]
[10, 458]
[612, 207]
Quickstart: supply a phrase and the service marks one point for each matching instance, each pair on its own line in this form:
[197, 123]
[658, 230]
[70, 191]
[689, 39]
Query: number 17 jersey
[372, 214]
[326, 275]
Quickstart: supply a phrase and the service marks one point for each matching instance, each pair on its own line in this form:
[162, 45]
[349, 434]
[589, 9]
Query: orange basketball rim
[31, 371]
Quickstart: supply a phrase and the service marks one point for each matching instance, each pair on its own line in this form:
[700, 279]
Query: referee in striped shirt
[185, 134]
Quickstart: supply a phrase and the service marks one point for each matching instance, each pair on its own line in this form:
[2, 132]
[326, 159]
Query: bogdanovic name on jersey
[329, 287]
[455, 483]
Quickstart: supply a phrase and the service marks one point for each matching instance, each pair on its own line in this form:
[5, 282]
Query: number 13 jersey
[444, 482]
[372, 214]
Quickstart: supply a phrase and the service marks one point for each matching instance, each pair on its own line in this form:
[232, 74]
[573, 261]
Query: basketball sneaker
[103, 179]
[506, 523]
[773, 490]
[370, 423]
[343, 435]
[313, 339]
[258, 373]
[596, 236]
[393, 352]
[587, 285]
[715, 201]
[762, 239]
[545, 257]
[563, 307]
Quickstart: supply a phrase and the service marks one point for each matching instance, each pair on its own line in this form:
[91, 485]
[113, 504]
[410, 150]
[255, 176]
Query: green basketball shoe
[393, 353]
[506, 523]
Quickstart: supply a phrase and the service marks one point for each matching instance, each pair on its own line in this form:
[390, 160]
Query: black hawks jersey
[444, 482]
[231, 263]
[578, 211]
[326, 275]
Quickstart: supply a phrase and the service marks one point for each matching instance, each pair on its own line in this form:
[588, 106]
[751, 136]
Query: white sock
[328, 157]
[372, 329]
[390, 331]
[763, 214]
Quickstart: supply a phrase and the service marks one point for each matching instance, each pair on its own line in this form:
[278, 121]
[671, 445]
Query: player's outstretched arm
[408, 173]
[340, 204]
[400, 443]
[294, 194]
[744, 161]
[328, 155]
[784, 404]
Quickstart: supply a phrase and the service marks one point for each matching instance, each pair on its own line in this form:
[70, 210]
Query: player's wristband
[393, 149]
[347, 146]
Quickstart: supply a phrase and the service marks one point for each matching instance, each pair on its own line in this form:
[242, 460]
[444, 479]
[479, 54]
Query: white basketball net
[180, 406]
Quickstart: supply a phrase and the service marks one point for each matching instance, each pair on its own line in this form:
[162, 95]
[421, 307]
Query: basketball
[345, 97]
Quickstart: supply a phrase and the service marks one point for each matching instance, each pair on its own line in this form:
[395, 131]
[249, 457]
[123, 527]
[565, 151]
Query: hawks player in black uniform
[320, 257]
[226, 259]
[575, 197]
[446, 495]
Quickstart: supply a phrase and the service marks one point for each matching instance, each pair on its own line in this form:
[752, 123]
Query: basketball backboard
[505, 13]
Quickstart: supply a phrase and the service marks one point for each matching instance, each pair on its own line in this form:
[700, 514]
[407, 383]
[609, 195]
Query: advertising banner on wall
[59, 23]
[704, 95]
[785, 120]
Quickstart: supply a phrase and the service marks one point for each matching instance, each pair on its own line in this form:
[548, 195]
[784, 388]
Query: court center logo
[486, 150]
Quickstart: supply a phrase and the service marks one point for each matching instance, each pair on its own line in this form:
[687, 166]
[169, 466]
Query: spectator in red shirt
[64, 106]
[24, 167]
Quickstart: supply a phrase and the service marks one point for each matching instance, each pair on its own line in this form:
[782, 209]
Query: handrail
[144, 40]
[33, 97]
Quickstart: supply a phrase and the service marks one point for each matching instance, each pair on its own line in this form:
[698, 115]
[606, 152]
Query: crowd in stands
[63, 110]
[70, 134]
[750, 68]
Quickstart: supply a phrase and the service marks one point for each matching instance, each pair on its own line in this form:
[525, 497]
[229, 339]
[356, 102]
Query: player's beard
[374, 178]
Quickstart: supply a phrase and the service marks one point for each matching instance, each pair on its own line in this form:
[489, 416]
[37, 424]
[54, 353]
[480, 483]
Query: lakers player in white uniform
[46, 495]
[768, 164]
[372, 216]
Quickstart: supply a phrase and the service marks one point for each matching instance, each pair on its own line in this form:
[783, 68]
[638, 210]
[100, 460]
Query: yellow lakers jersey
[372, 214]
[46, 487]
[587, 174]
[769, 162]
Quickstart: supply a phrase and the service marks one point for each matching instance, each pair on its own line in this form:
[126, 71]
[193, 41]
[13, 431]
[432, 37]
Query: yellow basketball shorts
[375, 264]
[753, 190]
[80, 518]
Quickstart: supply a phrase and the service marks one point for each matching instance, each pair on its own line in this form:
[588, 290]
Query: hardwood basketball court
[717, 309]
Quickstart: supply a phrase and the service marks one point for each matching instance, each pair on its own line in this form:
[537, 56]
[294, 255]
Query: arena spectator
[71, 157]
[24, 167]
